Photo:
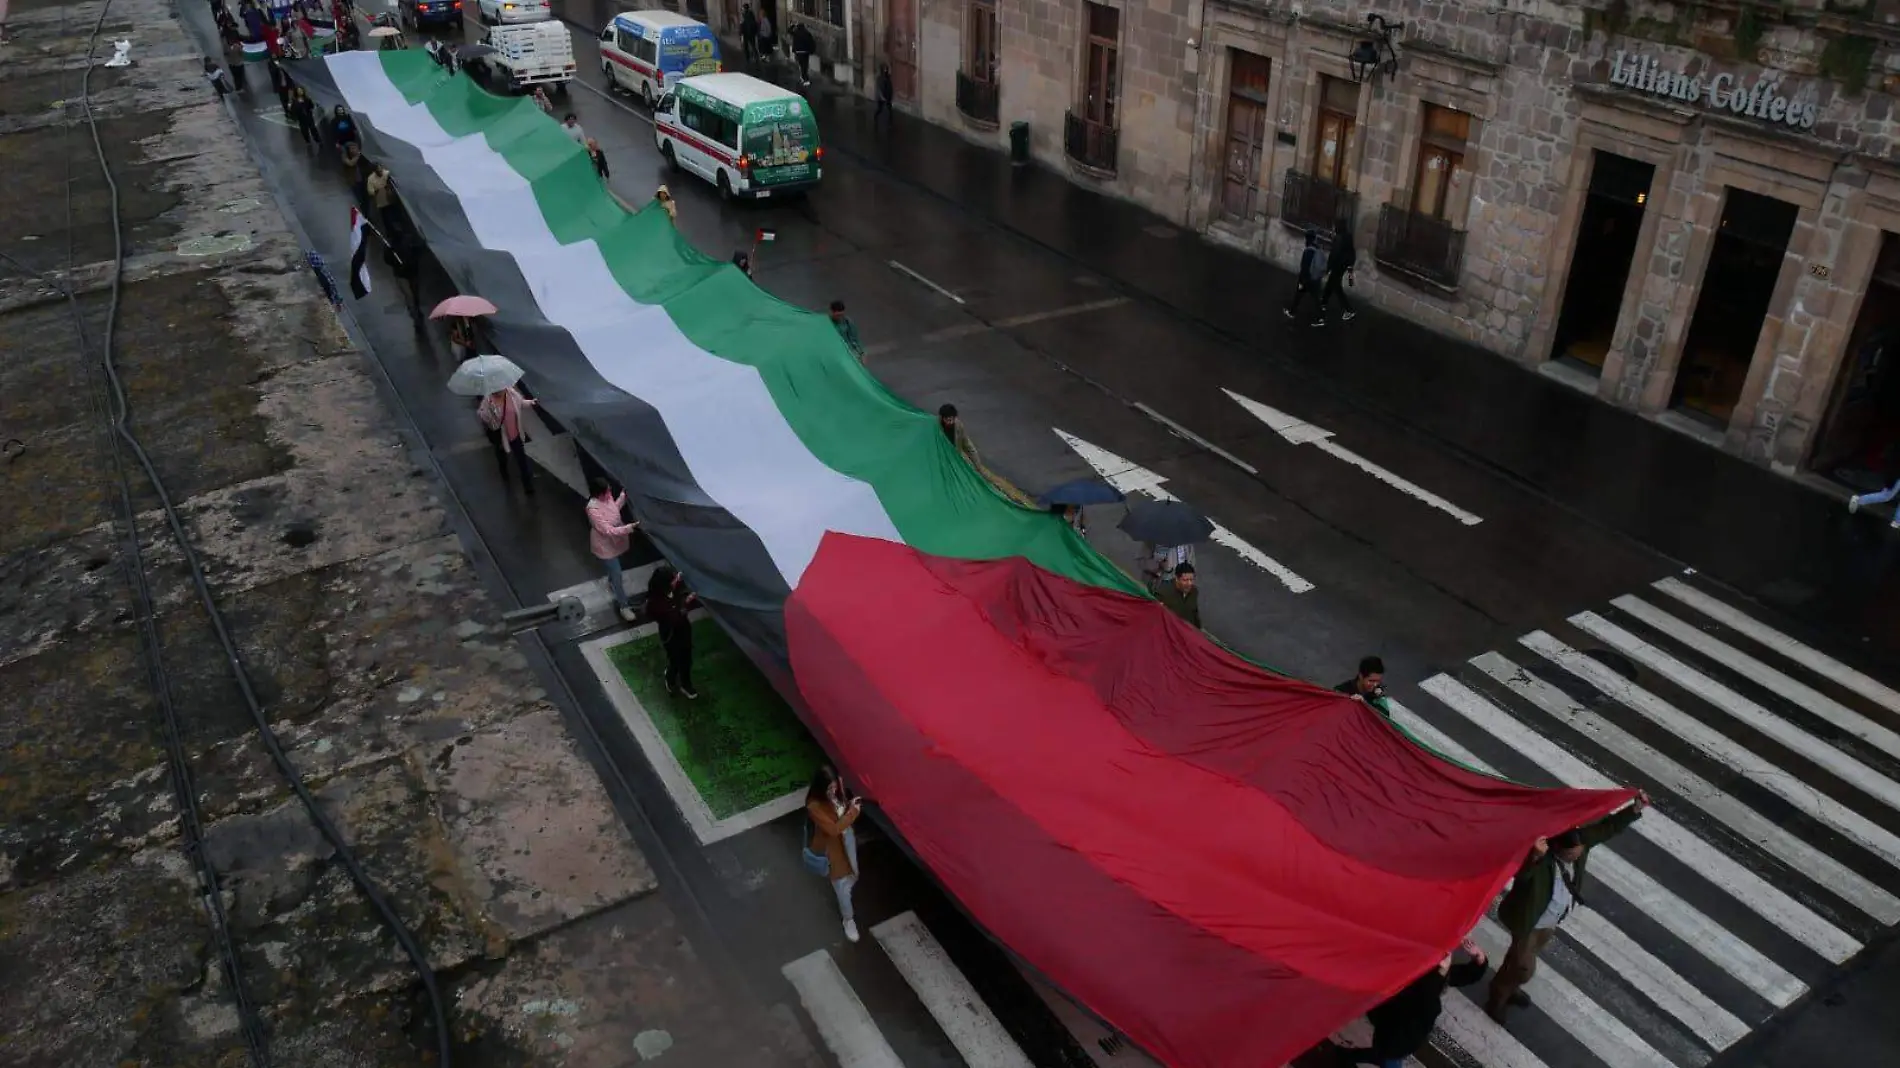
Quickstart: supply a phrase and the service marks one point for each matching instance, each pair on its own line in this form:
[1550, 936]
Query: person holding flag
[359, 254]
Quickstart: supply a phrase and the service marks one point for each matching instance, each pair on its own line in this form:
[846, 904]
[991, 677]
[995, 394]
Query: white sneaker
[1853, 504]
[627, 613]
[1895, 525]
[851, 930]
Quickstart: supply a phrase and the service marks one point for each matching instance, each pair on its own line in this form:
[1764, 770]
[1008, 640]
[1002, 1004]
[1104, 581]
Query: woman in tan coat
[832, 814]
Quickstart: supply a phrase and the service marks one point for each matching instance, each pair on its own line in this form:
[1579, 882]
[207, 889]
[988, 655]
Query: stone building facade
[1683, 208]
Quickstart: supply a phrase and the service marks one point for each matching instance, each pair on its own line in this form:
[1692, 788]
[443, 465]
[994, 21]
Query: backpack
[1316, 267]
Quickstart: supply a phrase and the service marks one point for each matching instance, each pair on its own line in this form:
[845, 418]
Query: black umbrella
[1166, 523]
[474, 51]
[1081, 492]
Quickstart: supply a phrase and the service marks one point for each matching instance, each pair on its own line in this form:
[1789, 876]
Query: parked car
[493, 12]
[416, 14]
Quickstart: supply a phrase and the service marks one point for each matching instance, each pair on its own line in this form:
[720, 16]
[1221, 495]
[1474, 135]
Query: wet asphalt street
[1458, 505]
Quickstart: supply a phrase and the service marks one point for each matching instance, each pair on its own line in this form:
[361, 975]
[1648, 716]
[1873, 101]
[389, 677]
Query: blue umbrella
[1081, 492]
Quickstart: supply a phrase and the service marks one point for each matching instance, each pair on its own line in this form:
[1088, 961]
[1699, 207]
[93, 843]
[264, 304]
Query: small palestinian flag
[256, 51]
[762, 236]
[359, 255]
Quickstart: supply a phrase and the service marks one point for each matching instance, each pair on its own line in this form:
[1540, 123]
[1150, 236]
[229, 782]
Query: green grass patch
[739, 743]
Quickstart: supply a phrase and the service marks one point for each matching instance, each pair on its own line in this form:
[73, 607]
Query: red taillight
[745, 164]
[818, 153]
[458, 5]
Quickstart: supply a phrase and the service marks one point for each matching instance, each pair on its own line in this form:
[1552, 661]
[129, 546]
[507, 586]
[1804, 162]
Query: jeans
[679, 656]
[1883, 496]
[1334, 289]
[518, 447]
[842, 887]
[616, 580]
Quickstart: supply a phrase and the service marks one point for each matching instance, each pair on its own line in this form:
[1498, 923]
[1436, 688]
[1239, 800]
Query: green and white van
[747, 137]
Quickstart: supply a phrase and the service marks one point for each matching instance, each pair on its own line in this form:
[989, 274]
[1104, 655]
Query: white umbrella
[482, 375]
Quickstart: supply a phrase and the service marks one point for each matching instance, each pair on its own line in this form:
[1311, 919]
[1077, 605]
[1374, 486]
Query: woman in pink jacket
[500, 413]
[610, 538]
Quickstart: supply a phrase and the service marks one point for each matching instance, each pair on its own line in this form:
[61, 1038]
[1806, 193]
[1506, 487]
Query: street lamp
[1374, 54]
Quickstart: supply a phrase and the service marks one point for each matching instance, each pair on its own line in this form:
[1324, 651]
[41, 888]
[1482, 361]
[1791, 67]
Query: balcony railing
[1421, 245]
[1311, 203]
[1092, 144]
[977, 100]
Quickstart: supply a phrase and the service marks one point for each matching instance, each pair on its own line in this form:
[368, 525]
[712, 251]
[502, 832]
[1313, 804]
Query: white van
[648, 52]
[747, 137]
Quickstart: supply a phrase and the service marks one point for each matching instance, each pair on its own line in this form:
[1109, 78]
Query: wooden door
[900, 47]
[1246, 133]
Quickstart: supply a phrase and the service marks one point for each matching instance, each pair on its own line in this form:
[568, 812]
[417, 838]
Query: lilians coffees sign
[1757, 99]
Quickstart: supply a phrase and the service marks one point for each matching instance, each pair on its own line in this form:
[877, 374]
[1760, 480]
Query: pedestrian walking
[749, 34]
[500, 413]
[886, 92]
[1402, 1023]
[831, 844]
[1548, 886]
[598, 158]
[669, 605]
[279, 83]
[303, 111]
[1312, 273]
[381, 190]
[1158, 563]
[672, 209]
[802, 48]
[234, 59]
[847, 329]
[216, 76]
[743, 260]
[462, 338]
[768, 37]
[541, 101]
[571, 126]
[1339, 266]
[1369, 684]
[1180, 596]
[609, 539]
[1861, 500]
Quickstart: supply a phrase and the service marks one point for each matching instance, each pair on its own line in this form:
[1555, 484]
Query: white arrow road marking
[1299, 432]
[1129, 478]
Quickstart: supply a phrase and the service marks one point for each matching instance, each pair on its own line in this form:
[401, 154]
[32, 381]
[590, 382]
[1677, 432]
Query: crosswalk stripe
[1717, 745]
[1813, 659]
[1773, 681]
[1576, 1012]
[842, 1020]
[972, 1028]
[1661, 771]
[1657, 981]
[1846, 767]
[1675, 915]
[1772, 904]
[1465, 1025]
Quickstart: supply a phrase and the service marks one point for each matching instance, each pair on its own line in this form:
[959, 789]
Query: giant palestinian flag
[1221, 862]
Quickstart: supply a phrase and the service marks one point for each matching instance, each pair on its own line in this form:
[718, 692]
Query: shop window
[1332, 143]
[1745, 262]
[830, 12]
[1089, 135]
[1600, 259]
[980, 47]
[1099, 69]
[1441, 155]
[1860, 440]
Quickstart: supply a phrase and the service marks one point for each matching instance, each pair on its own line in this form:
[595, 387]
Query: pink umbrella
[464, 304]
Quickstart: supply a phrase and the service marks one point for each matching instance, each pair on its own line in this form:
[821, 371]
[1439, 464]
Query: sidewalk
[1775, 539]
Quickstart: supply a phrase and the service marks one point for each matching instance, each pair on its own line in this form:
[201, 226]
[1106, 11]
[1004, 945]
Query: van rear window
[780, 142]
